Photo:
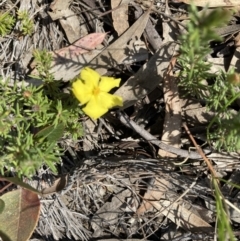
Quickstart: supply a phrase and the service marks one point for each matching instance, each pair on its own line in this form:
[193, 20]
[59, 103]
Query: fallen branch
[147, 136]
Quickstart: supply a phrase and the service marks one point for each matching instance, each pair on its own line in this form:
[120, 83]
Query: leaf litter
[118, 188]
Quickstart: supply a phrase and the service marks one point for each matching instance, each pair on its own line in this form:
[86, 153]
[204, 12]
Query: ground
[144, 171]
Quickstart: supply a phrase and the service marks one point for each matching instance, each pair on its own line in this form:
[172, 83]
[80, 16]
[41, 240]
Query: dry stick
[5, 187]
[147, 136]
[200, 151]
[211, 169]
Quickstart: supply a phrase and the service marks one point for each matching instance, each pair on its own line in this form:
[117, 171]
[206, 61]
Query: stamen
[96, 91]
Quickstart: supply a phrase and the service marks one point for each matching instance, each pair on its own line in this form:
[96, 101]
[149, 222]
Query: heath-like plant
[194, 48]
[33, 120]
[26, 23]
[7, 22]
[219, 94]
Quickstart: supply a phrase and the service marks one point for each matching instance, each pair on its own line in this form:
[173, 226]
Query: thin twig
[200, 151]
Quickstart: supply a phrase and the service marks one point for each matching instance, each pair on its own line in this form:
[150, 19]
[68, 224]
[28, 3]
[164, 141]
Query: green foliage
[43, 61]
[220, 95]
[6, 23]
[27, 24]
[224, 227]
[195, 46]
[226, 123]
[33, 120]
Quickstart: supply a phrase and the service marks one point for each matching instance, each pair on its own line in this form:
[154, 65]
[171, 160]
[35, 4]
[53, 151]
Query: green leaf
[20, 215]
[51, 133]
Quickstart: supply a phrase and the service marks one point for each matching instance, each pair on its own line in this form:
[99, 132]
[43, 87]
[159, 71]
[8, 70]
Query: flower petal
[109, 101]
[94, 109]
[90, 77]
[98, 106]
[82, 92]
[107, 83]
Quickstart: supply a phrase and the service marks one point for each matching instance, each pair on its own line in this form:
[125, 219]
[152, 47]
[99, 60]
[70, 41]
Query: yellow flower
[92, 89]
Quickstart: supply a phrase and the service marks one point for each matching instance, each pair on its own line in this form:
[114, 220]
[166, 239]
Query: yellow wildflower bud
[92, 89]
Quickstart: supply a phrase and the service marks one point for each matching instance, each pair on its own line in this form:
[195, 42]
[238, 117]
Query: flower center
[96, 91]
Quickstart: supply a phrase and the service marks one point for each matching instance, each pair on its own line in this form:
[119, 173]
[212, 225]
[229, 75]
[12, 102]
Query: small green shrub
[219, 96]
[27, 24]
[33, 120]
[6, 23]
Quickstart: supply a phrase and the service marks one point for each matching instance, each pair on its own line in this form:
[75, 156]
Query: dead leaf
[115, 53]
[148, 77]
[176, 210]
[150, 31]
[160, 187]
[68, 61]
[90, 140]
[136, 52]
[58, 5]
[19, 182]
[20, 215]
[120, 15]
[68, 67]
[182, 217]
[57, 186]
[81, 46]
[211, 3]
[67, 18]
[170, 30]
[2, 205]
[172, 121]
